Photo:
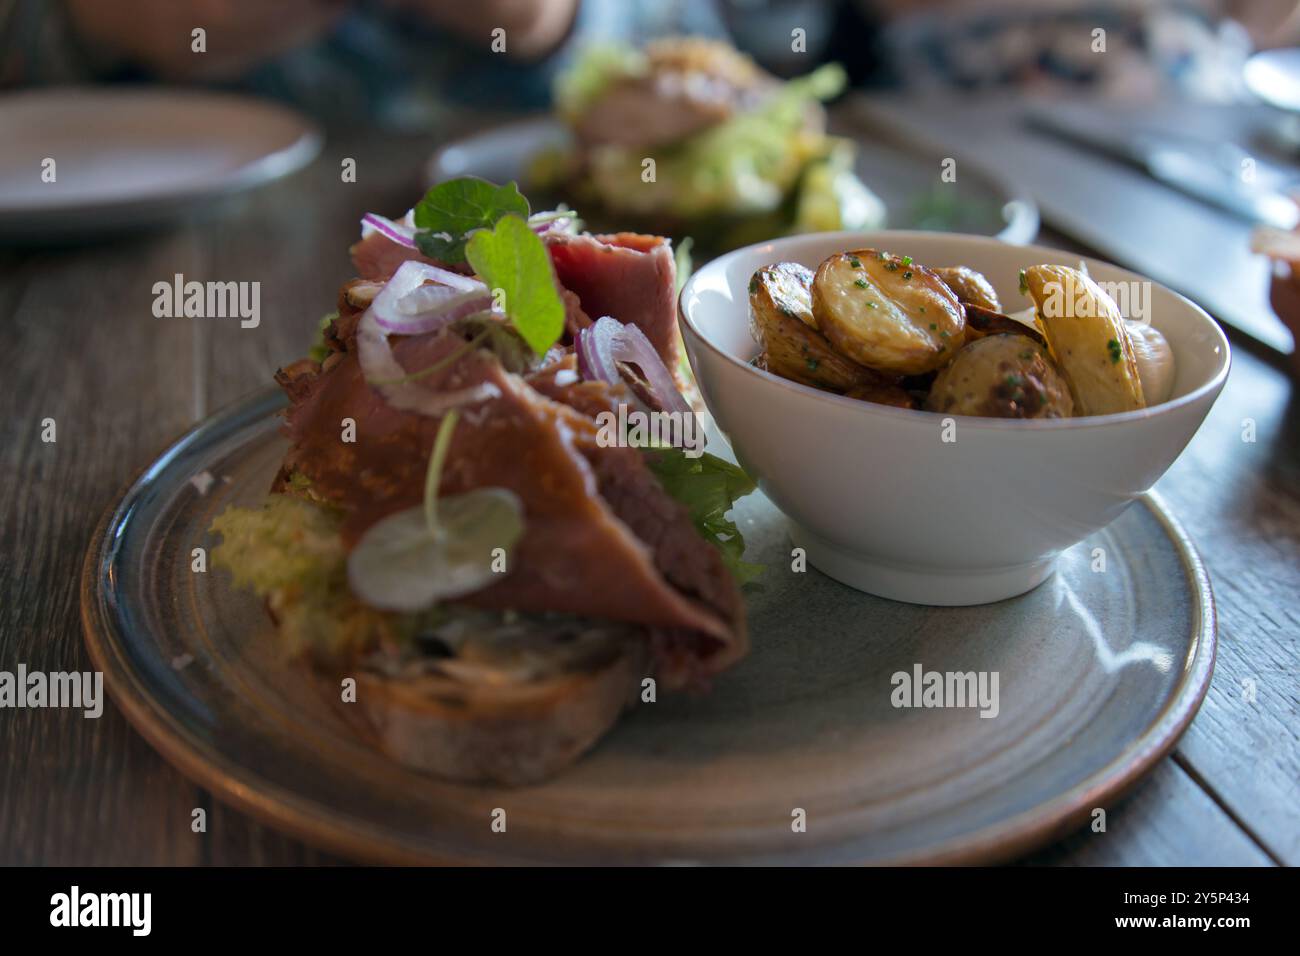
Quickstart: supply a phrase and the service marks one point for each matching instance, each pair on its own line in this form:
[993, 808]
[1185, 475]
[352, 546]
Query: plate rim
[281, 162]
[319, 825]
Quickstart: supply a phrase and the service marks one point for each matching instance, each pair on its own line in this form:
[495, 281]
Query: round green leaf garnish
[398, 565]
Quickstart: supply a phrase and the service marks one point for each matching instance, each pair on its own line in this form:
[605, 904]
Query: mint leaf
[514, 263]
[450, 211]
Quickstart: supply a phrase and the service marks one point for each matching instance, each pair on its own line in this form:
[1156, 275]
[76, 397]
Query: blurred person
[391, 62]
[1152, 48]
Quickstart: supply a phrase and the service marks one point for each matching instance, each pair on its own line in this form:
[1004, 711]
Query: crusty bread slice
[500, 726]
[513, 733]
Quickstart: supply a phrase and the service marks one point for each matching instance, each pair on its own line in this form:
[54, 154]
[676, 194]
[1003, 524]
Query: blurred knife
[1201, 172]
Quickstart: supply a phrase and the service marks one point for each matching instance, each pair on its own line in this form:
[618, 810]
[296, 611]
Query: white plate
[133, 157]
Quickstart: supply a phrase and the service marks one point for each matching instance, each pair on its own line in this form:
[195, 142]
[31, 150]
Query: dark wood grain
[1168, 820]
[76, 789]
[83, 347]
[1240, 502]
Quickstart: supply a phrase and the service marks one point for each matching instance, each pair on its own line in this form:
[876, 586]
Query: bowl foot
[944, 587]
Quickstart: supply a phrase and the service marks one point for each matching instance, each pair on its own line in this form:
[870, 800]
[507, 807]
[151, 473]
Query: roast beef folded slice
[640, 501]
[580, 552]
[626, 275]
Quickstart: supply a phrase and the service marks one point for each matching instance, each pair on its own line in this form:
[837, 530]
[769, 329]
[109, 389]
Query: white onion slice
[556, 220]
[380, 366]
[407, 306]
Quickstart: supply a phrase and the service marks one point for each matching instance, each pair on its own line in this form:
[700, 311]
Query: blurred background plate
[1099, 674]
[904, 177]
[131, 157]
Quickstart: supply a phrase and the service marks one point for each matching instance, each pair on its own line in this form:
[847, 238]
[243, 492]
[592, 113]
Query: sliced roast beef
[582, 551]
[637, 497]
[626, 275]
[377, 257]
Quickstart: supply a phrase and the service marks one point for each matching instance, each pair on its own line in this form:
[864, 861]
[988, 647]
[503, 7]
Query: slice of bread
[512, 732]
[492, 697]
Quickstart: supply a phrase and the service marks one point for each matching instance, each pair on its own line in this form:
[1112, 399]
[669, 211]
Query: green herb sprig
[451, 212]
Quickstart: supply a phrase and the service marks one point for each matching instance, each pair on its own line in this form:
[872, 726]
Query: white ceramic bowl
[876, 497]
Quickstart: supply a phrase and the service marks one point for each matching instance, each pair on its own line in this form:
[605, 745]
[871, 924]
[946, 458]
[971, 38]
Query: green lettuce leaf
[319, 351]
[745, 166]
[708, 486]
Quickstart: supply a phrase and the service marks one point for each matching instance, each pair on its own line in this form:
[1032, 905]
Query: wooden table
[83, 347]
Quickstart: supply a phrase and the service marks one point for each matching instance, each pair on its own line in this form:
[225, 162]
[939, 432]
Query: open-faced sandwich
[690, 137]
[452, 525]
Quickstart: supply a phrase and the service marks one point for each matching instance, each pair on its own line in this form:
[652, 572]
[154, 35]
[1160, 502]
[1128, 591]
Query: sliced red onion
[407, 306]
[398, 232]
[558, 223]
[380, 365]
[606, 342]
[594, 346]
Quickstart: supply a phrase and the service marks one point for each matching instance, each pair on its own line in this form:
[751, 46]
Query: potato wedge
[1088, 338]
[780, 319]
[970, 287]
[886, 312]
[1006, 375]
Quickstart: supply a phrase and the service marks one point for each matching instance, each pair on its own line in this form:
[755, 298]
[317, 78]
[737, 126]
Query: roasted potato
[1088, 339]
[1155, 361]
[883, 394]
[1006, 375]
[784, 287]
[887, 313]
[970, 287]
[780, 319]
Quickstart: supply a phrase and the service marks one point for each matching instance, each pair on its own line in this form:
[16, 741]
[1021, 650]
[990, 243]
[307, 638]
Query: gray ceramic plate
[904, 177]
[1099, 673]
[133, 157]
